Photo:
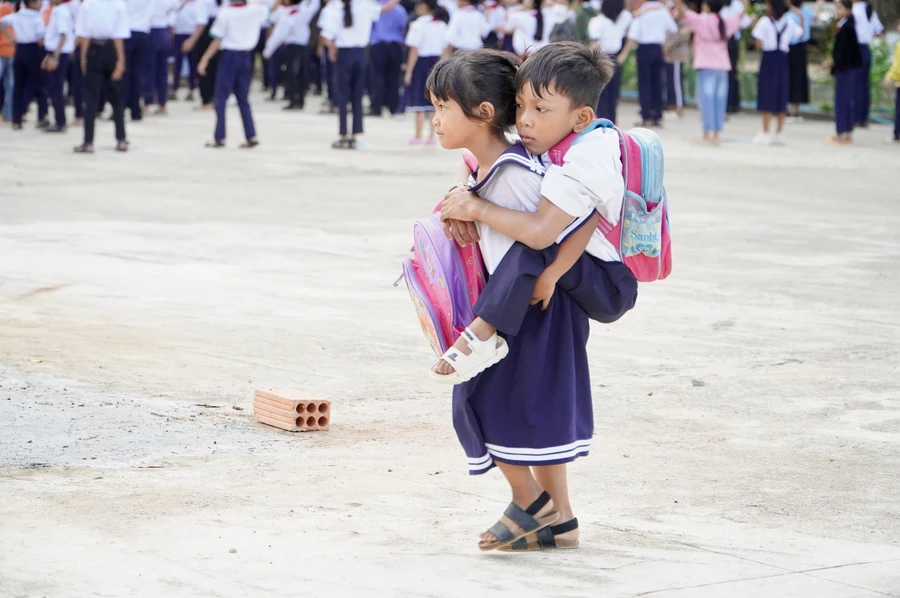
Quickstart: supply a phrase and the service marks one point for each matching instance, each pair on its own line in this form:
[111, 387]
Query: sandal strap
[518, 516]
[546, 539]
[520, 544]
[562, 528]
[538, 504]
[501, 532]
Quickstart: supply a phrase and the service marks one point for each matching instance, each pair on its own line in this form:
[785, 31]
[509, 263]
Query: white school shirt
[496, 17]
[184, 20]
[766, 32]
[609, 34]
[60, 23]
[451, 6]
[652, 23]
[589, 179]
[238, 26]
[73, 5]
[523, 24]
[737, 8]
[27, 24]
[467, 29]
[293, 27]
[139, 15]
[161, 13]
[510, 186]
[866, 28]
[428, 35]
[102, 19]
[331, 21]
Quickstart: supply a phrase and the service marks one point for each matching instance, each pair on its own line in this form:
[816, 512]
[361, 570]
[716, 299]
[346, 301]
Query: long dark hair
[778, 8]
[436, 10]
[348, 15]
[471, 78]
[715, 7]
[611, 9]
[539, 31]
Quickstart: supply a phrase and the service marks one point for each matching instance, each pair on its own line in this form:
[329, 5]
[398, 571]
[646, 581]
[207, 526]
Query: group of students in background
[120, 51]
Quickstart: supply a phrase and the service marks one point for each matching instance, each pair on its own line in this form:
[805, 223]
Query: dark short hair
[572, 69]
[470, 78]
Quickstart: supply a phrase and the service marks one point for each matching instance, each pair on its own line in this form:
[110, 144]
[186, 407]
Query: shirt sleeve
[327, 22]
[121, 29]
[590, 177]
[595, 28]
[634, 30]
[671, 25]
[759, 31]
[414, 36]
[65, 24]
[279, 34]
[201, 15]
[877, 26]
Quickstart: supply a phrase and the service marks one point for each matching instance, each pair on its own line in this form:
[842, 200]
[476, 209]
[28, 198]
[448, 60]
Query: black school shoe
[55, 129]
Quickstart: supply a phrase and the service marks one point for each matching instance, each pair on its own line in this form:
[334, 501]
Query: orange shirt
[7, 50]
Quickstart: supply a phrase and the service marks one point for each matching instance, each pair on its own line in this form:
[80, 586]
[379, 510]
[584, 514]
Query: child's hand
[462, 232]
[887, 83]
[460, 204]
[544, 289]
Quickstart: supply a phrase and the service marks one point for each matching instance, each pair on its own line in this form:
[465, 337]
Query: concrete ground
[747, 412]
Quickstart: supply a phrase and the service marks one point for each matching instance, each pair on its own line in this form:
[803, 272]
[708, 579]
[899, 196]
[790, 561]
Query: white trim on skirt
[552, 453]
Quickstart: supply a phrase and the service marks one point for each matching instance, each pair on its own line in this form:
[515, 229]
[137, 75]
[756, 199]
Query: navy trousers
[863, 100]
[604, 290]
[272, 71]
[27, 71]
[651, 68]
[897, 115]
[76, 82]
[386, 59]
[350, 74]
[844, 98]
[137, 49]
[158, 67]
[674, 85]
[330, 79]
[734, 86]
[296, 62]
[207, 82]
[101, 62]
[233, 76]
[55, 81]
[179, 60]
[609, 98]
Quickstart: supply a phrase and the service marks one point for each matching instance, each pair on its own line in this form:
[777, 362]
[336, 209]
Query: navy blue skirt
[534, 407]
[416, 100]
[774, 82]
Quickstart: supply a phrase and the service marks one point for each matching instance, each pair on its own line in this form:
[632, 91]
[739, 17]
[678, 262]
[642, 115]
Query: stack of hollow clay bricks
[291, 410]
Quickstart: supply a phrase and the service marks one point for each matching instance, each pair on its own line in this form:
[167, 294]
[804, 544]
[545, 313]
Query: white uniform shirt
[737, 8]
[331, 21]
[589, 179]
[184, 20]
[139, 15]
[510, 186]
[523, 24]
[27, 24]
[651, 24]
[608, 34]
[428, 35]
[293, 28]
[73, 5]
[61, 23]
[767, 32]
[161, 13]
[102, 19]
[467, 29]
[866, 28]
[238, 26]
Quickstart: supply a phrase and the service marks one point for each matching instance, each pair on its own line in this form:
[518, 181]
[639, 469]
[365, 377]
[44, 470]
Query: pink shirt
[710, 51]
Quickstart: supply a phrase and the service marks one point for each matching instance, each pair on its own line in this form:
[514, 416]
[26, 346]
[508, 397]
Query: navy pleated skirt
[534, 407]
[773, 84]
[416, 100]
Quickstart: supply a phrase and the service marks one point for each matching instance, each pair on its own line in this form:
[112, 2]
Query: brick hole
[310, 422]
[323, 407]
[301, 407]
[323, 421]
[299, 422]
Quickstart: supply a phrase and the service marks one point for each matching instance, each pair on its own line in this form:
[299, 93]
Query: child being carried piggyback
[558, 245]
[531, 413]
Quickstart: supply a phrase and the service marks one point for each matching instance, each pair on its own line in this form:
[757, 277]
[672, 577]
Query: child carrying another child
[532, 413]
[550, 107]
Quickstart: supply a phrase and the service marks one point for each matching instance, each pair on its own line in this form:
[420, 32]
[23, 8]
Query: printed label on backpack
[641, 229]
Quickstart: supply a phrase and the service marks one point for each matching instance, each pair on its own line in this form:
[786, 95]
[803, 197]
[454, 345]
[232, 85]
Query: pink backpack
[641, 235]
[444, 281]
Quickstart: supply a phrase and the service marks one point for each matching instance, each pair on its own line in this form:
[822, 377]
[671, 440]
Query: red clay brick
[292, 410]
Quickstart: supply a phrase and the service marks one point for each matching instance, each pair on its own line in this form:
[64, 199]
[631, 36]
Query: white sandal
[465, 367]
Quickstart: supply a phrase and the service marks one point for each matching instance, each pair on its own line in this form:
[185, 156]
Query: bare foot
[487, 537]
